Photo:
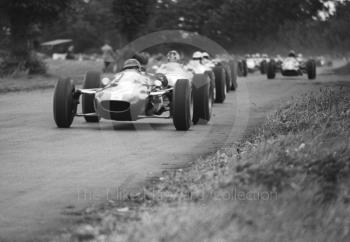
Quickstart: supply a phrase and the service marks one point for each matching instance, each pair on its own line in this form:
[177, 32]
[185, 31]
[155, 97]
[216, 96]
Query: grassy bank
[344, 70]
[289, 181]
[56, 68]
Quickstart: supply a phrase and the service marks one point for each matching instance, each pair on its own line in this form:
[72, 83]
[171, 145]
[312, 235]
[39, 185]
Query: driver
[132, 64]
[195, 65]
[206, 60]
[173, 56]
[292, 54]
[132, 72]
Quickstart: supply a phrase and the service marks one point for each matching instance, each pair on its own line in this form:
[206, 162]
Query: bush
[36, 66]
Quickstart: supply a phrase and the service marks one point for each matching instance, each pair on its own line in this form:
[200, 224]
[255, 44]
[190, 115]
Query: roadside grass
[56, 68]
[343, 70]
[289, 181]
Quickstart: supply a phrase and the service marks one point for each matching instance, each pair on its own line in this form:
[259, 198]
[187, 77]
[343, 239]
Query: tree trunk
[19, 39]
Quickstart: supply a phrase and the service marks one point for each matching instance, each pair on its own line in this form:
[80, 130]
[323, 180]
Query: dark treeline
[238, 25]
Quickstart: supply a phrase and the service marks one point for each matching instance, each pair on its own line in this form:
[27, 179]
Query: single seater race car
[292, 66]
[203, 88]
[131, 95]
[201, 64]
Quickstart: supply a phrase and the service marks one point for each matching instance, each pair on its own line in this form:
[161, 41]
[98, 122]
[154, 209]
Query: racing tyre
[92, 80]
[64, 104]
[245, 68]
[271, 70]
[233, 67]
[182, 105]
[263, 67]
[202, 98]
[211, 76]
[311, 69]
[220, 84]
[228, 78]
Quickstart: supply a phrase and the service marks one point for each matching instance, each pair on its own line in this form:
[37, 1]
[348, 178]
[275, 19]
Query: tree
[131, 17]
[88, 23]
[23, 17]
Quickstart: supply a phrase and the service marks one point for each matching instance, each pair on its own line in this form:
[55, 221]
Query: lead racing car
[132, 94]
[292, 66]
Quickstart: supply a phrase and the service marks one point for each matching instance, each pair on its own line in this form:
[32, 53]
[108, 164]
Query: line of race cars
[292, 65]
[186, 93]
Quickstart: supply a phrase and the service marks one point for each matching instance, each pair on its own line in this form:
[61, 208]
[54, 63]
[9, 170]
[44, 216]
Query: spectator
[70, 53]
[108, 56]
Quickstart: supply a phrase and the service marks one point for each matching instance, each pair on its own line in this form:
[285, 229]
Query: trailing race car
[230, 66]
[219, 71]
[131, 95]
[242, 67]
[292, 66]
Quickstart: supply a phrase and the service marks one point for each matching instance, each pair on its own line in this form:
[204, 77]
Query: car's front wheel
[271, 69]
[202, 98]
[182, 105]
[311, 69]
[92, 80]
[220, 84]
[64, 103]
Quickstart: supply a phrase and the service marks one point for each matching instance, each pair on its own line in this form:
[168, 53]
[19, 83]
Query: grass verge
[289, 181]
[344, 70]
[56, 68]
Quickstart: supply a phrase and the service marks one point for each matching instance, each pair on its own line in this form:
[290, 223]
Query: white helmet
[132, 64]
[205, 55]
[173, 56]
[197, 55]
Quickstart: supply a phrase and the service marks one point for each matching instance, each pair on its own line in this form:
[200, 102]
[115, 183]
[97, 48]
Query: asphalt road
[45, 171]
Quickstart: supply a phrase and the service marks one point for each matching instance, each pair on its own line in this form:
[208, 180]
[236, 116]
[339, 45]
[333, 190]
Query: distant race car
[222, 71]
[230, 67]
[292, 66]
[131, 95]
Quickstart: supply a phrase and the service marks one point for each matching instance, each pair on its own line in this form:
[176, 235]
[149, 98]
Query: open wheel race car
[291, 66]
[132, 95]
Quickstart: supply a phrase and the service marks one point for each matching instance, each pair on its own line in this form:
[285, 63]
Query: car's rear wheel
[263, 67]
[311, 69]
[182, 105]
[92, 80]
[228, 78]
[245, 68]
[271, 69]
[64, 104]
[234, 69]
[220, 84]
[202, 98]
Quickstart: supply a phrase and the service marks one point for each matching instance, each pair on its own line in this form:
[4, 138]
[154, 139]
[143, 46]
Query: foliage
[21, 20]
[290, 183]
[239, 25]
[131, 16]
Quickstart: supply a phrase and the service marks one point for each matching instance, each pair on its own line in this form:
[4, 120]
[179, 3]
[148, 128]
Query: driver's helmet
[132, 64]
[173, 56]
[292, 53]
[197, 55]
[205, 55]
[300, 55]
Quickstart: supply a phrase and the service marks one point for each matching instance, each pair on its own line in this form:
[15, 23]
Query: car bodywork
[131, 95]
[292, 66]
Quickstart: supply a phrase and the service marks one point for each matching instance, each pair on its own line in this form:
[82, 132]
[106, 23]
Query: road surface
[45, 170]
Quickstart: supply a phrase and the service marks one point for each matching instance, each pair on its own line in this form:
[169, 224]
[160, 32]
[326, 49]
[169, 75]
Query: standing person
[108, 56]
[70, 53]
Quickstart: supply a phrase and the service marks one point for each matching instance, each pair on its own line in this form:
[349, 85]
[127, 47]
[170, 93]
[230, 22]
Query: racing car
[230, 66]
[292, 66]
[132, 94]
